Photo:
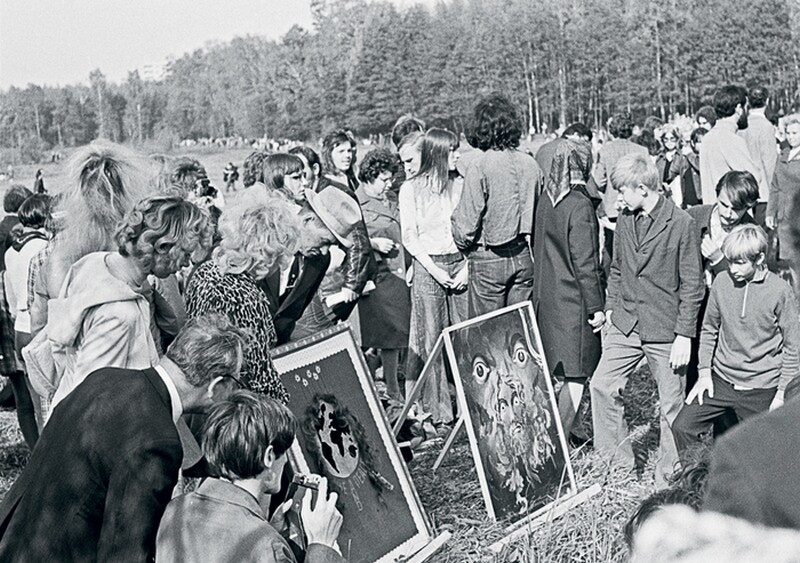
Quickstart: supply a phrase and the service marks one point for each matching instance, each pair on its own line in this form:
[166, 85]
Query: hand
[710, 250]
[777, 401]
[704, 385]
[442, 277]
[460, 279]
[349, 295]
[321, 522]
[681, 350]
[278, 520]
[597, 321]
[382, 245]
[607, 323]
[770, 222]
[410, 275]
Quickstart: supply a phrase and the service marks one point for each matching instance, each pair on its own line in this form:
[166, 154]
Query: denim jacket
[496, 207]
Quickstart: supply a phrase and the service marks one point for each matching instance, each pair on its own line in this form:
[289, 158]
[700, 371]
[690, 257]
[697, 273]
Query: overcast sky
[57, 42]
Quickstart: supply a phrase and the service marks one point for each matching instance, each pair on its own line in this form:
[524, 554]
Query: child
[748, 344]
[654, 293]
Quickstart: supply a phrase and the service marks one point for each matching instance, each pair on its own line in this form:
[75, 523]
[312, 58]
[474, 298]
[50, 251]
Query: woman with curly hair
[438, 290]
[385, 313]
[493, 222]
[102, 317]
[256, 240]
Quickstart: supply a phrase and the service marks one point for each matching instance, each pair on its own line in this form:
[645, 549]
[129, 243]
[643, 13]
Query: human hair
[745, 242]
[727, 98]
[332, 140]
[167, 225]
[376, 163]
[309, 154]
[621, 125]
[34, 213]
[708, 113]
[651, 505]
[239, 430]
[741, 187]
[252, 170]
[791, 119]
[257, 236]
[634, 169]
[14, 197]
[404, 125]
[434, 154]
[698, 134]
[496, 124]
[185, 173]
[208, 347]
[414, 139]
[758, 96]
[278, 165]
[579, 129]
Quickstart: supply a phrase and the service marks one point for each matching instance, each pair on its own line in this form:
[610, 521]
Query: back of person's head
[435, 151]
[376, 163]
[652, 122]
[758, 96]
[14, 197]
[621, 125]
[252, 169]
[34, 213]
[727, 98]
[745, 243]
[186, 172]
[741, 187]
[239, 430]
[496, 124]
[654, 503]
[578, 129]
[697, 135]
[207, 348]
[332, 140]
[309, 154]
[404, 125]
[278, 165]
[708, 113]
[633, 170]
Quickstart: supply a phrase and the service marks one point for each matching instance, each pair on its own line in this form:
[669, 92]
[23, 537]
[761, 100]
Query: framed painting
[510, 411]
[344, 436]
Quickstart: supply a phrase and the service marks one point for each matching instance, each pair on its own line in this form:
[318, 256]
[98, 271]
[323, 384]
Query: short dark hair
[727, 98]
[621, 125]
[185, 173]
[404, 125]
[697, 134]
[578, 129]
[375, 163]
[758, 96]
[252, 170]
[276, 166]
[34, 212]
[239, 430]
[309, 154]
[653, 504]
[14, 197]
[496, 124]
[741, 187]
[708, 113]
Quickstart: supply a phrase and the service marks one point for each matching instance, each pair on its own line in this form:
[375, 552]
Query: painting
[344, 436]
[510, 410]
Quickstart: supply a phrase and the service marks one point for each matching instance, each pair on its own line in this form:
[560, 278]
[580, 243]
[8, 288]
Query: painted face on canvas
[340, 452]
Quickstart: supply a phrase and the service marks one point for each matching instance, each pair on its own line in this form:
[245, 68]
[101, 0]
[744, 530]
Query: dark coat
[6, 225]
[754, 470]
[656, 282]
[783, 203]
[287, 309]
[568, 283]
[100, 477]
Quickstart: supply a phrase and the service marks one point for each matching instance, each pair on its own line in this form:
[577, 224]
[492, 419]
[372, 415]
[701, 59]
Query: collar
[760, 275]
[174, 397]
[757, 112]
[724, 124]
[225, 491]
[792, 154]
[656, 210]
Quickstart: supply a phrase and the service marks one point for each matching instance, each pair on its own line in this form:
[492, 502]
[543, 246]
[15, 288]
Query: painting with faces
[511, 411]
[344, 436]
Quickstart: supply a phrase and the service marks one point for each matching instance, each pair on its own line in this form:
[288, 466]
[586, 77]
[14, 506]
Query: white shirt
[174, 397]
[425, 217]
[16, 282]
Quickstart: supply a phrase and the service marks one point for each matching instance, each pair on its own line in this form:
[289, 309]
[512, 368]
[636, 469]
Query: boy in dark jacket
[654, 292]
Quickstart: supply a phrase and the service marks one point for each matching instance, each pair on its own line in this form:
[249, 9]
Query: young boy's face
[744, 270]
[632, 197]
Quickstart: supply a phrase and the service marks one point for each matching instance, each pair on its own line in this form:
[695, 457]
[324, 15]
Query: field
[589, 533]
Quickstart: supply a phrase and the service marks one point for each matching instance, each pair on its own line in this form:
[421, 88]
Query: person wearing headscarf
[568, 284]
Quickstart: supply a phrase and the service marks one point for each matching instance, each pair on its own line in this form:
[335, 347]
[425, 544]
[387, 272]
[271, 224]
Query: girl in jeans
[438, 291]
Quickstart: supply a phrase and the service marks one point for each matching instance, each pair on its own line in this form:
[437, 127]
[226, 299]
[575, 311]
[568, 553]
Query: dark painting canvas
[344, 436]
[512, 417]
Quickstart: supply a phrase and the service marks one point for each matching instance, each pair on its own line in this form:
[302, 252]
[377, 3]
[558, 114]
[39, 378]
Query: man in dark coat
[105, 465]
[13, 199]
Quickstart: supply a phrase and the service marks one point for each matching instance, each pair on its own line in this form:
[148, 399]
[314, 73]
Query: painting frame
[317, 348]
[534, 341]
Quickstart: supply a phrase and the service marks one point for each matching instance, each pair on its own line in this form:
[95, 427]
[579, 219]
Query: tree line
[364, 63]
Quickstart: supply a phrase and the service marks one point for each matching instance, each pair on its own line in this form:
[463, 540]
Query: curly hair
[257, 237]
[164, 225]
[376, 163]
[621, 125]
[185, 173]
[332, 140]
[496, 124]
[252, 171]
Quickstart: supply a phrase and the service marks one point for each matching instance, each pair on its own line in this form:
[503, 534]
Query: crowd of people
[140, 313]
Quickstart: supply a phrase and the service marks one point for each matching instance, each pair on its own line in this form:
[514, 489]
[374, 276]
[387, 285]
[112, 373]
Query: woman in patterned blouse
[256, 239]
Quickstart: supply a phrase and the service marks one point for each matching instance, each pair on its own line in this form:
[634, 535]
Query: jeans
[23, 396]
[499, 276]
[621, 355]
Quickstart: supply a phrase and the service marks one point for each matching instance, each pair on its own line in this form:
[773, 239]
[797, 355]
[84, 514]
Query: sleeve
[11, 297]
[768, 146]
[584, 248]
[774, 202]
[691, 288]
[600, 174]
[789, 323]
[615, 273]
[139, 490]
[468, 215]
[107, 339]
[39, 301]
[168, 307]
[730, 489]
[710, 330]
[359, 263]
[318, 553]
[408, 220]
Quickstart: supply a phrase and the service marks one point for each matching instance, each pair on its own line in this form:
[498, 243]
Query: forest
[364, 63]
